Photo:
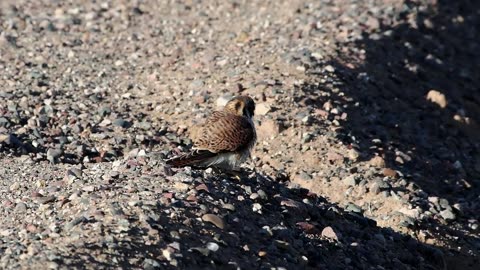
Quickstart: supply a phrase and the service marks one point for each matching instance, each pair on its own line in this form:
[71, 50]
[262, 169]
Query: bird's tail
[194, 158]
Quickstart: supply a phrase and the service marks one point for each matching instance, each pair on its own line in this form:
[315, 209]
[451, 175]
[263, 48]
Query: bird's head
[241, 105]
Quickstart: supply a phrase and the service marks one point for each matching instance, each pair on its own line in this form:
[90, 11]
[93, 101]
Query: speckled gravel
[367, 115]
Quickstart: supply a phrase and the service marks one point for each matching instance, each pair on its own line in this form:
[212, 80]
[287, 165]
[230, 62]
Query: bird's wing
[190, 159]
[224, 132]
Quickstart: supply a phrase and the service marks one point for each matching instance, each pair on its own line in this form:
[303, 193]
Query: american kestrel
[225, 140]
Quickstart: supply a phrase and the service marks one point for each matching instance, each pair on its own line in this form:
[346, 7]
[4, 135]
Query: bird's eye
[238, 105]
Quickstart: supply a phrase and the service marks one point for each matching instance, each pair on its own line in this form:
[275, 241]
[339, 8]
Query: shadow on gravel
[385, 87]
[285, 230]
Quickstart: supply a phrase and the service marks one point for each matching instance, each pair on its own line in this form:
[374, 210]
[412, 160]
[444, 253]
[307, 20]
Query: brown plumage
[225, 140]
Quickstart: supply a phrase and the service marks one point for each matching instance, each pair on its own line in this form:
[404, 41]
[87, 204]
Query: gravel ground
[368, 116]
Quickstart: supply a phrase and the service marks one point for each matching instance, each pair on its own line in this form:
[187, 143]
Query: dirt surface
[367, 113]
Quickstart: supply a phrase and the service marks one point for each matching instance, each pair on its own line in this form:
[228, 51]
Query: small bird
[225, 140]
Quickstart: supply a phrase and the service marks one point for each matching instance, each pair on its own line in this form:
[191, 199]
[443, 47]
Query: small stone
[152, 264]
[328, 232]
[200, 99]
[375, 188]
[297, 207]
[308, 227]
[212, 246]
[228, 206]
[437, 98]
[89, 188]
[133, 153]
[76, 173]
[350, 180]
[433, 199]
[333, 156]
[389, 173]
[75, 222]
[119, 122]
[377, 161]
[413, 213]
[447, 214]
[6, 232]
[268, 128]
[444, 203]
[262, 194]
[351, 207]
[21, 207]
[262, 109]
[167, 253]
[305, 176]
[317, 55]
[214, 219]
[257, 207]
[201, 250]
[202, 187]
[329, 68]
[105, 122]
[223, 100]
[353, 154]
[14, 186]
[53, 154]
[457, 165]
[46, 199]
[196, 84]
[282, 244]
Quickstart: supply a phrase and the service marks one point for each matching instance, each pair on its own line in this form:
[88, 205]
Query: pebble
[447, 214]
[296, 206]
[46, 199]
[152, 264]
[257, 207]
[222, 100]
[308, 227]
[389, 172]
[328, 232]
[229, 206]
[353, 154]
[262, 253]
[351, 207]
[444, 203]
[330, 69]
[268, 128]
[119, 122]
[214, 219]
[262, 109]
[213, 246]
[254, 196]
[74, 223]
[375, 188]
[262, 194]
[350, 180]
[437, 97]
[14, 186]
[53, 154]
[377, 161]
[21, 207]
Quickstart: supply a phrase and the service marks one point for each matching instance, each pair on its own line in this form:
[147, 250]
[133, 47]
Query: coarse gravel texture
[368, 117]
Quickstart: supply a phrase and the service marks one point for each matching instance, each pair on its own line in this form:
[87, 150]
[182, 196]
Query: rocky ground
[367, 112]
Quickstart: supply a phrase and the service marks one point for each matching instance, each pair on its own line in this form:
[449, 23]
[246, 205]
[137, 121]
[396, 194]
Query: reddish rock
[389, 172]
[308, 227]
